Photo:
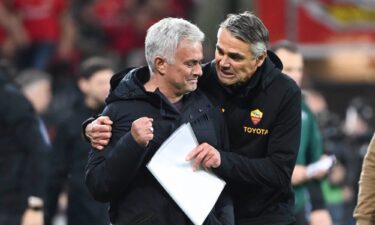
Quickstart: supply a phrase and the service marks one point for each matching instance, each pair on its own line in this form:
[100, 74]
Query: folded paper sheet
[322, 165]
[195, 192]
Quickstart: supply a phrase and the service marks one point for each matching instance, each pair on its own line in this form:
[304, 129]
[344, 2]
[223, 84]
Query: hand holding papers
[194, 192]
[323, 164]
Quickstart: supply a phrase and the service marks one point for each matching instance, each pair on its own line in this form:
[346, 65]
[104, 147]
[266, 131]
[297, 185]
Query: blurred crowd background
[336, 37]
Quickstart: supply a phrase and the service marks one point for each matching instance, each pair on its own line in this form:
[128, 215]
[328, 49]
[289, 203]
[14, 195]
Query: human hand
[337, 174]
[319, 174]
[99, 132]
[32, 217]
[320, 168]
[142, 130]
[348, 193]
[205, 155]
[320, 217]
[299, 175]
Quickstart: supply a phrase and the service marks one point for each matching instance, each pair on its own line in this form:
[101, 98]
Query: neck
[156, 82]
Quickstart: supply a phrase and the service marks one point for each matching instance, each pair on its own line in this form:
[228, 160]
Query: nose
[223, 61]
[198, 70]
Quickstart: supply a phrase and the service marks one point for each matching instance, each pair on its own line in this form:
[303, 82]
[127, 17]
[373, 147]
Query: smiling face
[182, 75]
[235, 63]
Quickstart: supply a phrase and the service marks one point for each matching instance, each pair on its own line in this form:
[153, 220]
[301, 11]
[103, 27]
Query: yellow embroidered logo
[255, 116]
[252, 130]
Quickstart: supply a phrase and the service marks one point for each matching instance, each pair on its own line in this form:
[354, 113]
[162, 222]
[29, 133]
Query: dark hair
[92, 65]
[285, 44]
[250, 29]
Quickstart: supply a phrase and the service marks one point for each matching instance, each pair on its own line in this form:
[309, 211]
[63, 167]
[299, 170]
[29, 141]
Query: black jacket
[22, 151]
[264, 121]
[68, 160]
[118, 174]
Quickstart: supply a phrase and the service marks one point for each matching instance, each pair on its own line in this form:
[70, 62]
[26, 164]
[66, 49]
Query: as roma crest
[256, 116]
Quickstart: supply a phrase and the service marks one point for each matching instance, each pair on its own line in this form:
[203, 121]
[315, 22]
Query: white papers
[195, 192]
[323, 164]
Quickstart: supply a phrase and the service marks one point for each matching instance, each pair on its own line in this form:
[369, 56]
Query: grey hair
[163, 37]
[250, 29]
[28, 77]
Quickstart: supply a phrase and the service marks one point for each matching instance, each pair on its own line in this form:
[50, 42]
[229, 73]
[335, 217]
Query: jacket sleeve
[223, 209]
[315, 142]
[84, 125]
[365, 209]
[38, 155]
[111, 170]
[314, 152]
[275, 169]
[316, 195]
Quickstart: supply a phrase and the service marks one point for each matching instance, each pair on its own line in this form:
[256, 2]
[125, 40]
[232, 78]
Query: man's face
[292, 64]
[39, 94]
[182, 75]
[96, 88]
[235, 63]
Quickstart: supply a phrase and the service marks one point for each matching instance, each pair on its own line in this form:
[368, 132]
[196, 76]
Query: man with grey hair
[146, 107]
[262, 110]
[36, 85]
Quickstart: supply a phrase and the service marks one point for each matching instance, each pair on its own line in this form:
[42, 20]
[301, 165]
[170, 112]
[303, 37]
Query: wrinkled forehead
[189, 50]
[229, 43]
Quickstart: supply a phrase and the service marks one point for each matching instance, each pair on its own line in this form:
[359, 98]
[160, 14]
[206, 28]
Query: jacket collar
[128, 84]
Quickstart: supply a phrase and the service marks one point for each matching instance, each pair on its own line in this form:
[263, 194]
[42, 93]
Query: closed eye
[193, 63]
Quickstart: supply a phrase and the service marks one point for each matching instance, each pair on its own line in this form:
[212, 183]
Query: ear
[160, 65]
[82, 84]
[261, 58]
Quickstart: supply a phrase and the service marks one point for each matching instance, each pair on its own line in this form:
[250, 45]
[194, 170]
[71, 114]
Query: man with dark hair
[262, 109]
[69, 156]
